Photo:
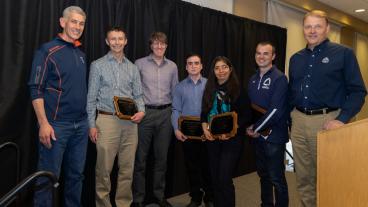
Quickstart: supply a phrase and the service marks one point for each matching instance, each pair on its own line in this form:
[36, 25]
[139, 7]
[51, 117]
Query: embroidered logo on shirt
[81, 58]
[325, 60]
[266, 83]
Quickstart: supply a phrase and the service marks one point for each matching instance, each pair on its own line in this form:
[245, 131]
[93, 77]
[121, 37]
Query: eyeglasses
[159, 44]
[196, 63]
[223, 67]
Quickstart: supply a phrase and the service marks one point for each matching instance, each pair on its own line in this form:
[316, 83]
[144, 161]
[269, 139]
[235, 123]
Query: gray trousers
[154, 129]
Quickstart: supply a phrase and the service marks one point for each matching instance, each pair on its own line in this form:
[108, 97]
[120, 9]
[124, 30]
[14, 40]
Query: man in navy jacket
[267, 90]
[58, 91]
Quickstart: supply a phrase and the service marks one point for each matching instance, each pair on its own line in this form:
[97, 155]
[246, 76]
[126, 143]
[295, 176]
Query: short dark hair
[192, 54]
[159, 36]
[263, 43]
[115, 29]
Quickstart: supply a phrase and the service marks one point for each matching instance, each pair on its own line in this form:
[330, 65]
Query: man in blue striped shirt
[114, 75]
[187, 101]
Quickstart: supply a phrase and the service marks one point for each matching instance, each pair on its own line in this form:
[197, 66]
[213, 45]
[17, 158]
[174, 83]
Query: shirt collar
[322, 45]
[110, 57]
[76, 43]
[189, 80]
[150, 57]
[268, 72]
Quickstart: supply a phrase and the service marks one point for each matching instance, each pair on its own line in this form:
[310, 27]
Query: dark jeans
[271, 170]
[196, 162]
[70, 149]
[223, 158]
[155, 128]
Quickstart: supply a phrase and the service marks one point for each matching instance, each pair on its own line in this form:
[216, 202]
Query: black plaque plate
[191, 127]
[224, 124]
[125, 108]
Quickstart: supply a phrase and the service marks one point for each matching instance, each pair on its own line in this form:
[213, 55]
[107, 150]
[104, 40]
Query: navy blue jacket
[59, 76]
[329, 76]
[270, 93]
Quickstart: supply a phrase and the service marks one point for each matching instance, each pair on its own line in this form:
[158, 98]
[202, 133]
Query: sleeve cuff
[343, 118]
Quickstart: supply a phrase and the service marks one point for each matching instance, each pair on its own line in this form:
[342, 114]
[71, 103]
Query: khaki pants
[304, 139]
[116, 137]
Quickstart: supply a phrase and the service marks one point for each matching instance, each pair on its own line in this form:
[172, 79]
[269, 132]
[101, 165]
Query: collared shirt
[270, 93]
[158, 81]
[327, 76]
[187, 99]
[58, 76]
[109, 78]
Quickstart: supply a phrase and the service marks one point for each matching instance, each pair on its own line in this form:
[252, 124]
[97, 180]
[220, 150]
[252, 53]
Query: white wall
[221, 5]
[292, 19]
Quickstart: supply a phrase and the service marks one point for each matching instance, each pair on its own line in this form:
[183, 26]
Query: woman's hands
[207, 134]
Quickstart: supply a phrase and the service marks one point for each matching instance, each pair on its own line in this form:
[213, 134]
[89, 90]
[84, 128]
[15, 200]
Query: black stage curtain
[27, 24]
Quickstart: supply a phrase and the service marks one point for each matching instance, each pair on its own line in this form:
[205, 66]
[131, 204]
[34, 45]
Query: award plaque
[258, 112]
[125, 108]
[224, 124]
[191, 127]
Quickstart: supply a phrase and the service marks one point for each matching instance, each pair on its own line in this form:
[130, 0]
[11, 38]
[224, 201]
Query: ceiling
[349, 6]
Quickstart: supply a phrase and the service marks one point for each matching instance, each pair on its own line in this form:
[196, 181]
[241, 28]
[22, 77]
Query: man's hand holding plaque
[125, 108]
[258, 112]
[190, 128]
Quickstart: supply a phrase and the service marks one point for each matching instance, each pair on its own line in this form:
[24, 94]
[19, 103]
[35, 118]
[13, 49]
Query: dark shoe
[209, 204]
[137, 205]
[164, 203]
[194, 204]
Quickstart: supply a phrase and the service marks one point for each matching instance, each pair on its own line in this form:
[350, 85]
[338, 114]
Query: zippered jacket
[270, 93]
[59, 76]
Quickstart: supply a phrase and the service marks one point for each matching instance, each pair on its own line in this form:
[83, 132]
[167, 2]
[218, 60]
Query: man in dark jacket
[267, 91]
[58, 91]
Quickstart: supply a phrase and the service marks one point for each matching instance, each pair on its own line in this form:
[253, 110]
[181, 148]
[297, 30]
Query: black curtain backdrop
[27, 24]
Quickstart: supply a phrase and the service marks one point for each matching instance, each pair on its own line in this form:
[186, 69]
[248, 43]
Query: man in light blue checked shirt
[114, 75]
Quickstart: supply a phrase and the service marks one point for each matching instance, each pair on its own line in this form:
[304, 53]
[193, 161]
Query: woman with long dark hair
[223, 94]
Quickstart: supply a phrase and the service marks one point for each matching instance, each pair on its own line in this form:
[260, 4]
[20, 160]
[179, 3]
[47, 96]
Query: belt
[106, 113]
[315, 111]
[160, 107]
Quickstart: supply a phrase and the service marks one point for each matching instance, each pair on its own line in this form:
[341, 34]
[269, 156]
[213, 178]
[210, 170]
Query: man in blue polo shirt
[58, 89]
[267, 90]
[326, 91]
[187, 101]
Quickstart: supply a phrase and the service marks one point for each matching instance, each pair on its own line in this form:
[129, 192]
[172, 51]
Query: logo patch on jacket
[325, 60]
[266, 83]
[82, 59]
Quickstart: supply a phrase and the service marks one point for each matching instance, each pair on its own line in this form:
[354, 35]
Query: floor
[247, 192]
